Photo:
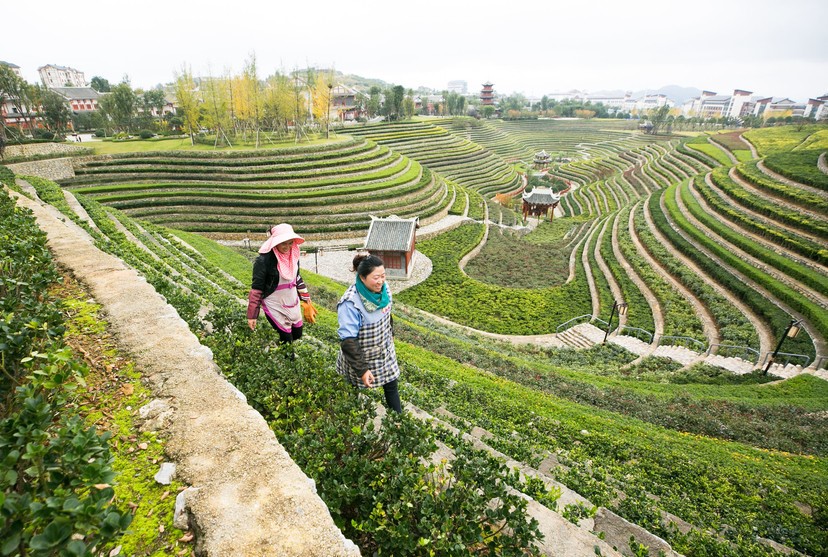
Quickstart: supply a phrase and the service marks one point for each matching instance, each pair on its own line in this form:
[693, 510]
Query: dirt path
[617, 293]
[753, 152]
[249, 497]
[593, 290]
[787, 181]
[776, 198]
[573, 254]
[818, 298]
[723, 149]
[757, 216]
[652, 301]
[701, 311]
[765, 338]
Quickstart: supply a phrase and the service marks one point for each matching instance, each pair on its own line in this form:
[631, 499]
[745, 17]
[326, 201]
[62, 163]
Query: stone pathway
[776, 198]
[788, 182]
[766, 339]
[699, 309]
[248, 497]
[756, 216]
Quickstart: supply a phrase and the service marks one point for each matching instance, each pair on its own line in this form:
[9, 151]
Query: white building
[61, 76]
[458, 86]
[13, 67]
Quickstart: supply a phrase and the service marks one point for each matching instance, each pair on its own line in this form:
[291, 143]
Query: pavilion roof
[541, 196]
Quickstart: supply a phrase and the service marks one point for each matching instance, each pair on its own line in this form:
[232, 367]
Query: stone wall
[41, 149]
[51, 169]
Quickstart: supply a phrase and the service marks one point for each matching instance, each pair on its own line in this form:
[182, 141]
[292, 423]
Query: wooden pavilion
[541, 160]
[539, 202]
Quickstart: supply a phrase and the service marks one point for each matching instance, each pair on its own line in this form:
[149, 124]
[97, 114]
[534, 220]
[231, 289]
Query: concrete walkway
[248, 498]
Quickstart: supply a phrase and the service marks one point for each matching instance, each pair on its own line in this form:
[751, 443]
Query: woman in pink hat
[277, 286]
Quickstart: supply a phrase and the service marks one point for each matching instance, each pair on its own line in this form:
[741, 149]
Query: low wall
[42, 149]
[51, 169]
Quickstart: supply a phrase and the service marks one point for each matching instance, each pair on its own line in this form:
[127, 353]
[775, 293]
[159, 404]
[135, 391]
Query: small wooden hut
[393, 240]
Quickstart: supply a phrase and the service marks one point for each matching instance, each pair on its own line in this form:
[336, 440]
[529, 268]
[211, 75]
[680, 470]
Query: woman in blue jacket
[367, 357]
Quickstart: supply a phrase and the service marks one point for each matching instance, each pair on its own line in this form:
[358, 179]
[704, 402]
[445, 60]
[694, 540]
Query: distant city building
[343, 103]
[458, 86]
[487, 94]
[61, 76]
[571, 94]
[79, 99]
[817, 108]
[779, 107]
[14, 67]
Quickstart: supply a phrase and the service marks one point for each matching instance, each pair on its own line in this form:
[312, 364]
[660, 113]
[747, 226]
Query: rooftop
[391, 234]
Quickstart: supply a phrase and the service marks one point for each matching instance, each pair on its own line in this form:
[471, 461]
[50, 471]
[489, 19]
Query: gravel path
[652, 301]
[617, 293]
[756, 216]
[701, 311]
[593, 290]
[724, 150]
[765, 338]
[787, 181]
[753, 152]
[819, 342]
[816, 297]
[776, 198]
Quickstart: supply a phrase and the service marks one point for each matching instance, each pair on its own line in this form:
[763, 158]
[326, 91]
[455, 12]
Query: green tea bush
[55, 472]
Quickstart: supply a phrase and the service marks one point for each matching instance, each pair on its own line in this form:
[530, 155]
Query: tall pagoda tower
[487, 94]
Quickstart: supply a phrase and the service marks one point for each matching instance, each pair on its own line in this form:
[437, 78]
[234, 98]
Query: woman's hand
[252, 324]
[368, 379]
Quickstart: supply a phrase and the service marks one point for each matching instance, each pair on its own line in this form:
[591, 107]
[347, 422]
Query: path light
[328, 116]
[622, 310]
[791, 332]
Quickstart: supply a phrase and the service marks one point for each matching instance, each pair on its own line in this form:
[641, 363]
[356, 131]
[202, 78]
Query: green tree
[187, 102]
[124, 106]
[408, 107]
[153, 99]
[20, 95]
[658, 117]
[374, 102]
[100, 84]
[54, 112]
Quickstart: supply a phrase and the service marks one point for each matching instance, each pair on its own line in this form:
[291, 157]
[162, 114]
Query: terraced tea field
[714, 251]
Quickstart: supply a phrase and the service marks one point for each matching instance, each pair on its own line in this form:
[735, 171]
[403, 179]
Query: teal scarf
[372, 300]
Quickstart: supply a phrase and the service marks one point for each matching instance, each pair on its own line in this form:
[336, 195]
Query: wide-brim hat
[278, 234]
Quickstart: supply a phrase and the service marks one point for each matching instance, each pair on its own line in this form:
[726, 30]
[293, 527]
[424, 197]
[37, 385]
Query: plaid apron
[376, 340]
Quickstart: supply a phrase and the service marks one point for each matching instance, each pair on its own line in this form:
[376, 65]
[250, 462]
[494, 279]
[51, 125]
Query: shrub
[146, 134]
[100, 132]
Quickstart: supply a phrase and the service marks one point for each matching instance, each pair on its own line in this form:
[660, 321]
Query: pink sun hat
[278, 234]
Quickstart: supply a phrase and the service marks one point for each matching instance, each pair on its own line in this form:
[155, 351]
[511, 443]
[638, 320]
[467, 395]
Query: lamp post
[791, 332]
[622, 310]
[328, 115]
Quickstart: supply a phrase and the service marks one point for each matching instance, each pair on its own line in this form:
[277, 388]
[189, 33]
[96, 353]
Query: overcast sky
[532, 46]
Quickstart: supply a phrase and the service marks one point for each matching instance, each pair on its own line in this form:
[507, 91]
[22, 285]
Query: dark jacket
[265, 280]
